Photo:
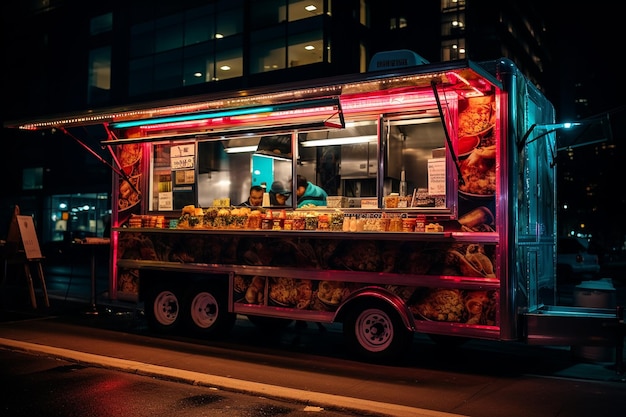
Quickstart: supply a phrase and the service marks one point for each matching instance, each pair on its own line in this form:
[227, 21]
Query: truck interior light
[241, 149]
[339, 141]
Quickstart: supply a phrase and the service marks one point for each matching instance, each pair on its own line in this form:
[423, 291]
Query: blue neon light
[190, 117]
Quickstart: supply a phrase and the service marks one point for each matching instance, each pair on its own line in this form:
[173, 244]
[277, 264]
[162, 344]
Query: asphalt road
[306, 368]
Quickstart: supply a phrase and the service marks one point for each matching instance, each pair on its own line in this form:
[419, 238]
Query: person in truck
[256, 197]
[309, 194]
[279, 194]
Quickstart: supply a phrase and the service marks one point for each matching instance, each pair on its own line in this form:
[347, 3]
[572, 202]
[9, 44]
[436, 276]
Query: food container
[267, 222]
[395, 224]
[391, 201]
[420, 223]
[323, 222]
[278, 223]
[336, 201]
[254, 222]
[336, 222]
[298, 223]
[310, 222]
[408, 224]
[369, 203]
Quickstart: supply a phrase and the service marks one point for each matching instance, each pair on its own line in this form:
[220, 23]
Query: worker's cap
[278, 188]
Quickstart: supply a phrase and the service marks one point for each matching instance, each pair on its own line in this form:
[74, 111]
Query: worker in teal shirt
[309, 194]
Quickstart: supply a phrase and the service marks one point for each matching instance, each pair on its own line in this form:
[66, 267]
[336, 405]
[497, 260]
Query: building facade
[72, 55]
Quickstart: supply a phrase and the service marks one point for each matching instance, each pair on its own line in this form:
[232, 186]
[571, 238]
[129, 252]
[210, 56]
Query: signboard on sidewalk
[29, 237]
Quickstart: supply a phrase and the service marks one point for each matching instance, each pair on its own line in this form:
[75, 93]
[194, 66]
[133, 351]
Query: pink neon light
[350, 105]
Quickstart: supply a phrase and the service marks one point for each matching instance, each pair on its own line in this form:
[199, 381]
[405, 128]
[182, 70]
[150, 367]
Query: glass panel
[32, 178]
[169, 33]
[142, 40]
[76, 216]
[198, 64]
[101, 24]
[168, 70]
[229, 23]
[299, 9]
[453, 49]
[99, 75]
[416, 161]
[229, 59]
[267, 50]
[342, 163]
[140, 76]
[265, 13]
[199, 29]
[305, 48]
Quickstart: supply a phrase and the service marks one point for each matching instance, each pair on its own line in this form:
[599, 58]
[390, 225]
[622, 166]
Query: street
[295, 367]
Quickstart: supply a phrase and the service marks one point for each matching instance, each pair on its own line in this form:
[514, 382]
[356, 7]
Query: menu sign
[29, 237]
[182, 156]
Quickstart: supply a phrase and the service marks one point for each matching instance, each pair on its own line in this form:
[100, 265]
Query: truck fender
[361, 295]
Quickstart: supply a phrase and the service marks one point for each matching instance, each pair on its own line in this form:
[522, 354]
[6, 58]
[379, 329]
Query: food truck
[440, 217]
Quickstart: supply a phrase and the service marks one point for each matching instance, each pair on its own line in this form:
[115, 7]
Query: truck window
[416, 160]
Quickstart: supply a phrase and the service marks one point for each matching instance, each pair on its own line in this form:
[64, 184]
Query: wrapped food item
[442, 305]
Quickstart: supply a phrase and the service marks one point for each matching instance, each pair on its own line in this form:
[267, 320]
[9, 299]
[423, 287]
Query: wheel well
[368, 296]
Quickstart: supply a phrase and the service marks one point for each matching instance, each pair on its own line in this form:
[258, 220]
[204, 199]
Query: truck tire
[163, 308]
[375, 332]
[207, 312]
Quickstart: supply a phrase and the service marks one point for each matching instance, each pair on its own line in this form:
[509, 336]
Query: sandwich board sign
[22, 230]
[29, 237]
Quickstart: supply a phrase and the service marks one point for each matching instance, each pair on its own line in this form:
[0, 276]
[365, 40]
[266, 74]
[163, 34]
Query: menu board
[29, 237]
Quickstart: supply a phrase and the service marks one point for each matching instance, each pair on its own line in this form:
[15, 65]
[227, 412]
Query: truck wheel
[207, 313]
[163, 308]
[376, 332]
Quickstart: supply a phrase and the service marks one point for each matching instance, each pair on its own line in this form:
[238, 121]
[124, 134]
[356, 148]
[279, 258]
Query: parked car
[574, 261]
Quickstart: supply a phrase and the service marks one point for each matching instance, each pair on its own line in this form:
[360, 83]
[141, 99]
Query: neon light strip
[350, 105]
[190, 117]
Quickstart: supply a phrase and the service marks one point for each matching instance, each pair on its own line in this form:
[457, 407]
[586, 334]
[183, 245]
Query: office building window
[452, 4]
[101, 24]
[99, 88]
[168, 70]
[229, 58]
[305, 48]
[168, 33]
[268, 50]
[140, 76]
[197, 46]
[452, 24]
[32, 178]
[198, 64]
[299, 9]
[453, 49]
[287, 34]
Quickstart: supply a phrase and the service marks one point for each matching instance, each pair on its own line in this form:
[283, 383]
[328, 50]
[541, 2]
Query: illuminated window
[299, 9]
[453, 49]
[268, 53]
[198, 46]
[99, 88]
[305, 48]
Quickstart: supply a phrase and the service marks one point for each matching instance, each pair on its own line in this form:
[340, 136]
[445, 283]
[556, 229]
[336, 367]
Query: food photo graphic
[468, 260]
